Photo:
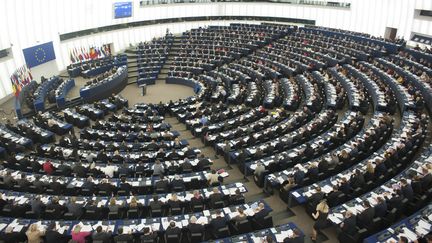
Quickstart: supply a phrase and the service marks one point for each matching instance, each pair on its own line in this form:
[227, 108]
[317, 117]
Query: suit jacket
[123, 237]
[381, 209]
[316, 198]
[103, 236]
[365, 218]
[155, 205]
[162, 184]
[52, 236]
[177, 183]
[218, 223]
[332, 197]
[172, 231]
[349, 226]
[195, 228]
[408, 192]
[298, 239]
[75, 209]
[215, 197]
[261, 214]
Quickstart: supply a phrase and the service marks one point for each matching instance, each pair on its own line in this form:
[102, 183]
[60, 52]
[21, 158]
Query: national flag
[72, 59]
[93, 53]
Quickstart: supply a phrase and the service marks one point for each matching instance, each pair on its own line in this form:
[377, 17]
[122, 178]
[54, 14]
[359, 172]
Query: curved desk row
[64, 90]
[185, 81]
[107, 87]
[42, 92]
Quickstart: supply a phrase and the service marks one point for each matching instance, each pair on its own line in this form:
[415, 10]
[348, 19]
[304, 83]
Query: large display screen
[122, 10]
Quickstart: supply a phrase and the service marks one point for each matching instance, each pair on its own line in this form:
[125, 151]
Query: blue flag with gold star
[39, 54]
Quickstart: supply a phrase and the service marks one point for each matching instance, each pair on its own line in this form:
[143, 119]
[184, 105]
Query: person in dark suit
[79, 170]
[37, 205]
[203, 163]
[53, 236]
[140, 168]
[298, 176]
[162, 185]
[177, 183]
[380, 168]
[89, 184]
[316, 198]
[216, 196]
[186, 165]
[357, 179]
[152, 146]
[349, 224]
[123, 236]
[23, 182]
[155, 204]
[64, 169]
[218, 222]
[380, 207]
[313, 172]
[365, 218]
[193, 227]
[148, 234]
[56, 186]
[125, 186]
[104, 185]
[100, 235]
[237, 198]
[8, 180]
[345, 186]
[260, 212]
[74, 208]
[395, 201]
[407, 190]
[296, 237]
[333, 196]
[54, 205]
[124, 170]
[173, 229]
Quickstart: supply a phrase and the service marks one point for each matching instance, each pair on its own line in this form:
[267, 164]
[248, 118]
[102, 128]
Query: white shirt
[109, 170]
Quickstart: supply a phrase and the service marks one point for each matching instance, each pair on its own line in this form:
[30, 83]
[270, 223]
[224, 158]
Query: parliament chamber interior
[215, 121]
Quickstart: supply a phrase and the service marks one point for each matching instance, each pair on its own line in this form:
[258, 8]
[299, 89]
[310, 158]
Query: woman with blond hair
[79, 236]
[113, 207]
[370, 171]
[321, 214]
[133, 203]
[34, 235]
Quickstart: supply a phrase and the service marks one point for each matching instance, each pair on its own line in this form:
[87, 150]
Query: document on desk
[335, 219]
[2, 226]
[409, 234]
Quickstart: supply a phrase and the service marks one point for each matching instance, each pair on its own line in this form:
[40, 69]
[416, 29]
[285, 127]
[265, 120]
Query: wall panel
[27, 23]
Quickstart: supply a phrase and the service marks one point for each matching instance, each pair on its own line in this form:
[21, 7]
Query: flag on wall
[78, 54]
[20, 78]
[40, 54]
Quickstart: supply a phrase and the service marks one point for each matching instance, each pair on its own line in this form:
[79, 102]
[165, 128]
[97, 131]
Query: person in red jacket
[48, 167]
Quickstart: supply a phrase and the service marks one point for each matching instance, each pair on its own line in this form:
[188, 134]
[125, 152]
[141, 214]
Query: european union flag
[39, 54]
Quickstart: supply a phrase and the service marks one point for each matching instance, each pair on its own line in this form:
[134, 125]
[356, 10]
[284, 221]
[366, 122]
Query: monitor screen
[122, 10]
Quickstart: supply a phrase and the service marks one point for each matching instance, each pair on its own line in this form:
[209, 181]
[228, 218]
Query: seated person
[240, 217]
[148, 234]
[123, 237]
[101, 235]
[295, 237]
[237, 197]
[173, 229]
[218, 221]
[193, 227]
[260, 212]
